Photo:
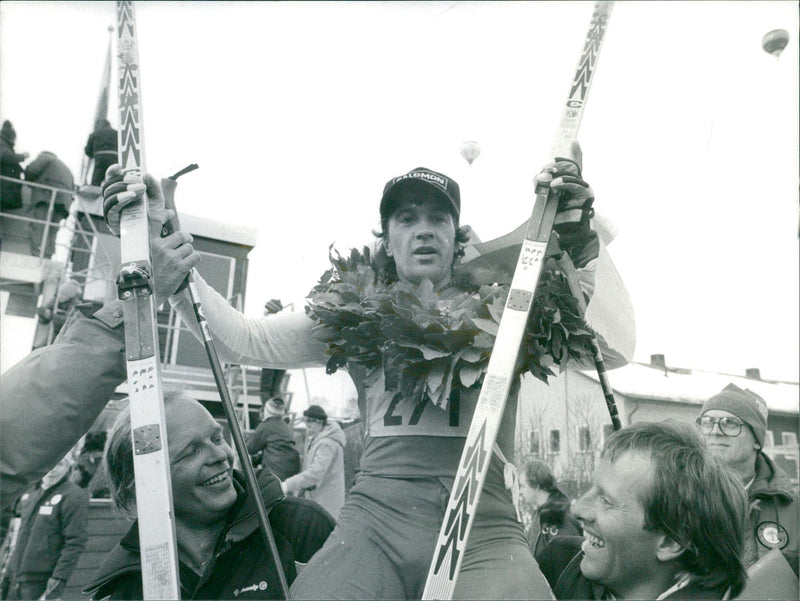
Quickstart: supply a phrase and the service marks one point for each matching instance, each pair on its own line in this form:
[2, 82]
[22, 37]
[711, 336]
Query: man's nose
[581, 509]
[218, 453]
[718, 427]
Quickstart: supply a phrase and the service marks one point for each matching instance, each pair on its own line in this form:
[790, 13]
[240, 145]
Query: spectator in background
[549, 507]
[10, 193]
[89, 459]
[274, 440]
[52, 535]
[663, 519]
[102, 148]
[47, 169]
[322, 478]
[734, 423]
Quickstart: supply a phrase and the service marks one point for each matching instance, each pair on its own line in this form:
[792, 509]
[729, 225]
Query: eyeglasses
[729, 426]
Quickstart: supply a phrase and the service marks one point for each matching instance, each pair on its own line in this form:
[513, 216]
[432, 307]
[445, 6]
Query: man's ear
[668, 549]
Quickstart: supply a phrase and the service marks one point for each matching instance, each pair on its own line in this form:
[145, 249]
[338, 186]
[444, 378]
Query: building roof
[197, 226]
[695, 386]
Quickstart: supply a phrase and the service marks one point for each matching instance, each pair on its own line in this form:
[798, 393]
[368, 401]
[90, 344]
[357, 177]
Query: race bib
[391, 415]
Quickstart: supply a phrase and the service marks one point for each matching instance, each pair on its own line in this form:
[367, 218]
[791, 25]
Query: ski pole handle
[168, 186]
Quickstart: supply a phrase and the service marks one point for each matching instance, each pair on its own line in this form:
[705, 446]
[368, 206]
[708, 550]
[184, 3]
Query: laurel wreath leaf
[427, 344]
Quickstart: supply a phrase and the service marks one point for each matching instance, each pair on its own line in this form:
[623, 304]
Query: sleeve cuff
[110, 313]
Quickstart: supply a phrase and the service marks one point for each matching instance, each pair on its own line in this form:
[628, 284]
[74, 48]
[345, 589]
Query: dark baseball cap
[427, 179]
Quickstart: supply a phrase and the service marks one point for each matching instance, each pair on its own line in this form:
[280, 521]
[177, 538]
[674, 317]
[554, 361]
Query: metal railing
[51, 226]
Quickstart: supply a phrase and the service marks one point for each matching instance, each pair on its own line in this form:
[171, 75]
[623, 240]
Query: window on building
[769, 440]
[555, 441]
[789, 439]
[535, 442]
[584, 439]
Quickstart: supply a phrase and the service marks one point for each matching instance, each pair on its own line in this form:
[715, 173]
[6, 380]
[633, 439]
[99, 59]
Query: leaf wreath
[427, 347]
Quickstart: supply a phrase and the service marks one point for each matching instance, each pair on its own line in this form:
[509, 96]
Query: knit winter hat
[274, 406]
[316, 412]
[8, 131]
[744, 404]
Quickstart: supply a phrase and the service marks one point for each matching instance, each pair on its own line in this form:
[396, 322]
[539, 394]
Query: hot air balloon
[470, 151]
[775, 41]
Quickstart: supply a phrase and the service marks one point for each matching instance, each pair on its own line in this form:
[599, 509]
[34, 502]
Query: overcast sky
[299, 113]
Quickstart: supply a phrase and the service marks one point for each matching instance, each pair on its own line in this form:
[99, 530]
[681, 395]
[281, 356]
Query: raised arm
[51, 398]
[281, 341]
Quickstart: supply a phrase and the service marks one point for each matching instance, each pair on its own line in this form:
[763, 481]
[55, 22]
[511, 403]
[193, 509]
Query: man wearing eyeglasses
[734, 423]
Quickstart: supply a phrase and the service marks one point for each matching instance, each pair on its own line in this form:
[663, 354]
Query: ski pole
[135, 287]
[473, 467]
[568, 269]
[168, 187]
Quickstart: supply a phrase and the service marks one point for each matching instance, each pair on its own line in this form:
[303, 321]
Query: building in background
[566, 422]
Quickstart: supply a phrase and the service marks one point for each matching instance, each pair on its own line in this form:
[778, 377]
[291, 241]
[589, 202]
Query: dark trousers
[37, 229]
[101, 163]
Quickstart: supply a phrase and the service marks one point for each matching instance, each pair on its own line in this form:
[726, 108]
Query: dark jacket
[103, 141]
[572, 584]
[242, 567]
[553, 519]
[274, 439]
[773, 518]
[102, 147]
[10, 193]
[47, 169]
[52, 532]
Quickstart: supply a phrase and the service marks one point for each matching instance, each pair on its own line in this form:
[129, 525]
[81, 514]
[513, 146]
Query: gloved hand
[575, 199]
[173, 256]
[119, 192]
[273, 306]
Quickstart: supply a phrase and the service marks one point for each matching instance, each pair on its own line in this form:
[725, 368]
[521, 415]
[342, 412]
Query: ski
[474, 464]
[135, 287]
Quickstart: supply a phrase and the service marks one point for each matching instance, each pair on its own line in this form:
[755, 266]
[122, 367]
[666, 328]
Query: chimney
[752, 373]
[658, 361]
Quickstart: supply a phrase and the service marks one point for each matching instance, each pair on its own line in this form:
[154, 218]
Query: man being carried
[373, 316]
